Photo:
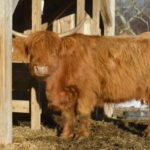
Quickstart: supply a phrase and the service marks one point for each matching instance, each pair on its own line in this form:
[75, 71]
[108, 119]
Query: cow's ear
[19, 49]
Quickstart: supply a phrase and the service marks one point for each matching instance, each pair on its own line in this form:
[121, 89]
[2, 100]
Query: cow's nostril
[41, 70]
[35, 68]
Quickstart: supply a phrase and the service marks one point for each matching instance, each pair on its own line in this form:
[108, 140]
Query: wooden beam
[56, 26]
[80, 13]
[35, 108]
[110, 30]
[96, 17]
[105, 11]
[14, 5]
[36, 15]
[64, 24]
[5, 72]
[21, 106]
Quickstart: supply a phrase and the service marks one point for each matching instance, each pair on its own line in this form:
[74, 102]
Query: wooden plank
[67, 23]
[14, 5]
[80, 14]
[105, 11]
[110, 30]
[35, 111]
[88, 25]
[21, 106]
[96, 17]
[64, 24]
[56, 26]
[36, 15]
[5, 72]
[35, 108]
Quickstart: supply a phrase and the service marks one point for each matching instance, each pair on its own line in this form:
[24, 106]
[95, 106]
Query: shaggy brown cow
[83, 71]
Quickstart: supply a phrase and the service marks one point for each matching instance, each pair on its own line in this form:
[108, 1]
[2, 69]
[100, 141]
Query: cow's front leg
[68, 130]
[65, 100]
[68, 101]
[83, 130]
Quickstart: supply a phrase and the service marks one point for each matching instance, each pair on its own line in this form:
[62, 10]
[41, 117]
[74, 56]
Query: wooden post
[36, 15]
[80, 13]
[56, 26]
[35, 106]
[14, 5]
[64, 24]
[5, 72]
[35, 110]
[110, 30]
[96, 17]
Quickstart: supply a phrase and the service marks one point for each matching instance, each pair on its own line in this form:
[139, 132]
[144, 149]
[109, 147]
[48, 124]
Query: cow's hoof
[146, 133]
[81, 134]
[66, 135]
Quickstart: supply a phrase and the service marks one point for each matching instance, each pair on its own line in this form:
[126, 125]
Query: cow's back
[121, 65]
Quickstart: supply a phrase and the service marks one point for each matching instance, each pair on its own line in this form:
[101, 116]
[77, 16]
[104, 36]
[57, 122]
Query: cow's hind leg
[146, 100]
[147, 130]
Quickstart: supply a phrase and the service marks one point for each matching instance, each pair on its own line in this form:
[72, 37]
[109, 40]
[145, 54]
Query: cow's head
[43, 47]
[41, 50]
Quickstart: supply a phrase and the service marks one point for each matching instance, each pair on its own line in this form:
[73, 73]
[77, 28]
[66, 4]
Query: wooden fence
[7, 7]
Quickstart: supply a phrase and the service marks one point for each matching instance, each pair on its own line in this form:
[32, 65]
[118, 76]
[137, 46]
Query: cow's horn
[15, 33]
[74, 30]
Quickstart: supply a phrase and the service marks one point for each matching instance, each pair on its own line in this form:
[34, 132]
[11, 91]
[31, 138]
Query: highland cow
[83, 71]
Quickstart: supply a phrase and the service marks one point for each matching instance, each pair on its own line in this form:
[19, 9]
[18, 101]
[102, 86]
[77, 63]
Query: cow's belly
[122, 89]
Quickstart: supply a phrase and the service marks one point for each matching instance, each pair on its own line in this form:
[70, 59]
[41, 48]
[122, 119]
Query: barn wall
[132, 16]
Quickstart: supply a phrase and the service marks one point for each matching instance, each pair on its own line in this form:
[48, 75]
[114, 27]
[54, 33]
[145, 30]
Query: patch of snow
[132, 103]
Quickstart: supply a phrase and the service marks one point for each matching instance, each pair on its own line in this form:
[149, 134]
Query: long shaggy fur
[85, 71]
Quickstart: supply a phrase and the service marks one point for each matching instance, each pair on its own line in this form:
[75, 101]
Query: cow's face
[42, 49]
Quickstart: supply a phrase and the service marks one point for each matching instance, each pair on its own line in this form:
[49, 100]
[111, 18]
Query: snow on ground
[134, 103]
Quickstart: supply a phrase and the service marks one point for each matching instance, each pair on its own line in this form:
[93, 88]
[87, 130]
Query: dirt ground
[112, 134]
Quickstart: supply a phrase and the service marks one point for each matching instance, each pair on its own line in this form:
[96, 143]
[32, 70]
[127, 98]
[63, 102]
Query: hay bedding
[113, 135]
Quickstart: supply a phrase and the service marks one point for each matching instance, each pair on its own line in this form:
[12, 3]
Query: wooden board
[5, 72]
[80, 14]
[35, 108]
[21, 106]
[110, 30]
[96, 17]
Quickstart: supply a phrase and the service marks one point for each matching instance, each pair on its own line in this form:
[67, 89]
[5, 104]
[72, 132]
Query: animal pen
[78, 22]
